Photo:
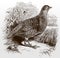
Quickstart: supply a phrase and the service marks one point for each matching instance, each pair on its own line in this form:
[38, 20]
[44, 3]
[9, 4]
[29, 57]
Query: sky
[5, 4]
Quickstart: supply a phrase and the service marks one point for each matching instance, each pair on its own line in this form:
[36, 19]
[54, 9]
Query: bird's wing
[27, 27]
[18, 27]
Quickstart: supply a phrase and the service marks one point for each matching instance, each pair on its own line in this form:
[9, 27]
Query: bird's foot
[27, 44]
[34, 46]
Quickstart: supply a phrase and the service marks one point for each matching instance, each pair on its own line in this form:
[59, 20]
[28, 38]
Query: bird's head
[46, 7]
[44, 10]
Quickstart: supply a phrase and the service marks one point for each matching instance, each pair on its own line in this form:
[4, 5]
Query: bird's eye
[24, 12]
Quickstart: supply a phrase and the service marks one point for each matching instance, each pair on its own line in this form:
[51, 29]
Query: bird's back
[29, 27]
[33, 26]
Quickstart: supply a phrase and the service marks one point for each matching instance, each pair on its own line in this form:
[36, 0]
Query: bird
[30, 27]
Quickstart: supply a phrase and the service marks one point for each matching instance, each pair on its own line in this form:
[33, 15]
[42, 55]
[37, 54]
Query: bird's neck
[43, 14]
[42, 20]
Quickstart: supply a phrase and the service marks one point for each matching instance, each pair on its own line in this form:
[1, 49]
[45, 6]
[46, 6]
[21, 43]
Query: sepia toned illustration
[29, 28]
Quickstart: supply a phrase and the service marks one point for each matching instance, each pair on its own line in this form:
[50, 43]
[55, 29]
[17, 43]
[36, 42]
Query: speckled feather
[32, 26]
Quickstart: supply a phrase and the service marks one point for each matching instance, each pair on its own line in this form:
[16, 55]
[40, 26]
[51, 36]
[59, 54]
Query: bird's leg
[26, 40]
[29, 45]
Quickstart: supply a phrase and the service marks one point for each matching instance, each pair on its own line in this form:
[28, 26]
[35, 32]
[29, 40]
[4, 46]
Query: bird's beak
[50, 7]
